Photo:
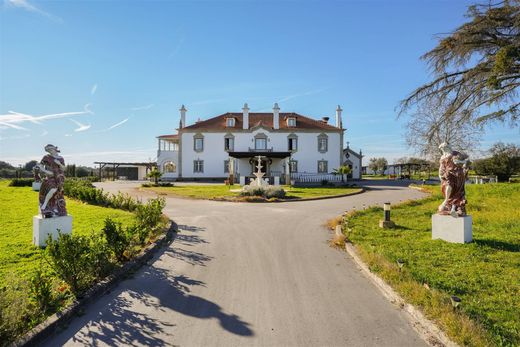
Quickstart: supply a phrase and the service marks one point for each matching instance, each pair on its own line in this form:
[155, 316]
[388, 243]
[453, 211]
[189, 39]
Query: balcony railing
[260, 149]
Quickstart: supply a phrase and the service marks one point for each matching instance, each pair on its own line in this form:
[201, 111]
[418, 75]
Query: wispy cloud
[12, 118]
[307, 93]
[24, 4]
[45, 132]
[117, 124]
[206, 102]
[81, 127]
[93, 89]
[139, 108]
[177, 48]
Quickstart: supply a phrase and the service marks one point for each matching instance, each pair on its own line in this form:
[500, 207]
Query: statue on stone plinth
[52, 167]
[453, 171]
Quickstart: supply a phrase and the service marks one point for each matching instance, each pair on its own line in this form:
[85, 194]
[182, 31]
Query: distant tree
[82, 171]
[378, 165]
[503, 162]
[343, 170]
[6, 165]
[476, 68]
[30, 165]
[428, 127]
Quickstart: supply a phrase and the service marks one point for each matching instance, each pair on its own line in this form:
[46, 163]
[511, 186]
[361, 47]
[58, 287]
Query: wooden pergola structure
[114, 165]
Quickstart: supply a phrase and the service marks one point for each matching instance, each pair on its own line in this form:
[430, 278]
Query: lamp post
[386, 223]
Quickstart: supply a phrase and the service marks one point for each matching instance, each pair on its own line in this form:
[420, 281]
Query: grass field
[485, 274]
[221, 191]
[18, 205]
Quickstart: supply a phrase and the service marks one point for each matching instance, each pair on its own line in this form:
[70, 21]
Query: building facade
[227, 146]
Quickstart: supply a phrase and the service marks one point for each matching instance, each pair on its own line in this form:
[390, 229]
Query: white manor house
[291, 146]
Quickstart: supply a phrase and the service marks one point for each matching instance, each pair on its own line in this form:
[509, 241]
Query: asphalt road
[241, 274]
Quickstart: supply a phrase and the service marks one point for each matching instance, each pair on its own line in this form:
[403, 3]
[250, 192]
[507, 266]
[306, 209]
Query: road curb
[60, 320]
[426, 329]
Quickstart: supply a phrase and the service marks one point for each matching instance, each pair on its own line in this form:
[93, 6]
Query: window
[323, 143]
[293, 166]
[169, 166]
[291, 122]
[322, 166]
[198, 143]
[260, 143]
[226, 166]
[292, 143]
[230, 122]
[229, 143]
[198, 166]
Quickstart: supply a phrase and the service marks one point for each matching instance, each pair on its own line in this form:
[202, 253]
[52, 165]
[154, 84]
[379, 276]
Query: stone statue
[453, 171]
[52, 166]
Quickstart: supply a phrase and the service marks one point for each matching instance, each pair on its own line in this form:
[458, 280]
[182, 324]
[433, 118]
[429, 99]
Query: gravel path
[242, 274]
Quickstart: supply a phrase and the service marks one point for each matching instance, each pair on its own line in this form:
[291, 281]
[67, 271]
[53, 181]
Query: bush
[149, 217]
[268, 192]
[69, 256]
[21, 182]
[99, 256]
[40, 291]
[15, 308]
[85, 191]
[118, 240]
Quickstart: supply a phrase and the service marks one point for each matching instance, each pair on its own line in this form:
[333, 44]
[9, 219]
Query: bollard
[386, 223]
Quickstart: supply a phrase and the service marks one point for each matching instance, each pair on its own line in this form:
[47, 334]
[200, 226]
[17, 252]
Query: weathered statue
[52, 166]
[453, 171]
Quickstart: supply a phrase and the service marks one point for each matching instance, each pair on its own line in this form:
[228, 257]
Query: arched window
[169, 166]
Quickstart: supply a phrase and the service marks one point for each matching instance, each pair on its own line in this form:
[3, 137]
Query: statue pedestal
[36, 186]
[452, 229]
[43, 227]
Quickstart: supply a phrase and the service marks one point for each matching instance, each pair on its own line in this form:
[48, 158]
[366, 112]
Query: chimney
[276, 116]
[325, 120]
[183, 110]
[245, 119]
[339, 124]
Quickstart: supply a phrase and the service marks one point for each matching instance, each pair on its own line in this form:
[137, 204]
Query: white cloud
[117, 124]
[24, 4]
[81, 127]
[93, 89]
[138, 108]
[307, 93]
[12, 118]
[45, 132]
[177, 48]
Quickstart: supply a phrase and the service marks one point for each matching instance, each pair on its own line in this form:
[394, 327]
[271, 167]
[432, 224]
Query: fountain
[259, 181]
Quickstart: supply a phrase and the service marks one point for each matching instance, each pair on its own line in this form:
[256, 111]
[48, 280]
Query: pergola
[115, 165]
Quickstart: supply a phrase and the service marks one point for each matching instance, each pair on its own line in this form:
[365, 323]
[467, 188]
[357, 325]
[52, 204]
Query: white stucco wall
[356, 165]
[214, 154]
[165, 157]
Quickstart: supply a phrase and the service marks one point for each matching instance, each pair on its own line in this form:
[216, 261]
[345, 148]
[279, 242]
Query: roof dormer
[230, 122]
[291, 122]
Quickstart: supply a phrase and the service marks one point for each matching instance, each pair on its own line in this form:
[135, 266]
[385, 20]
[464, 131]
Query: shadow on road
[124, 319]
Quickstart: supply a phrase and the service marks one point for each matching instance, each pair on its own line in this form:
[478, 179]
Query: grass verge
[223, 192]
[18, 205]
[484, 274]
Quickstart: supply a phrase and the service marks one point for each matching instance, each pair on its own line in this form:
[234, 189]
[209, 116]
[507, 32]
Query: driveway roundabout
[249, 275]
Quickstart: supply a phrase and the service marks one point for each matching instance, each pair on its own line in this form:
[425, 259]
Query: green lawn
[484, 274]
[18, 205]
[221, 191]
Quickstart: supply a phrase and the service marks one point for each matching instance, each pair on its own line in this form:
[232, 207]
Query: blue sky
[106, 77]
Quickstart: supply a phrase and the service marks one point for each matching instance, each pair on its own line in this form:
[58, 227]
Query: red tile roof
[261, 119]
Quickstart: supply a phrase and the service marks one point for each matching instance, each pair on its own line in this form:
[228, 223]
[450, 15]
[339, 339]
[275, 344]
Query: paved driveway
[242, 274]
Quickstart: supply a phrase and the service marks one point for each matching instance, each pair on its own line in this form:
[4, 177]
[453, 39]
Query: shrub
[40, 292]
[21, 182]
[85, 191]
[150, 214]
[69, 257]
[99, 256]
[15, 308]
[268, 192]
[118, 239]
